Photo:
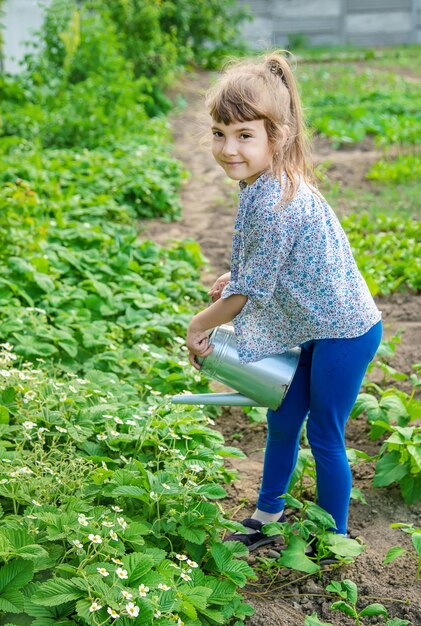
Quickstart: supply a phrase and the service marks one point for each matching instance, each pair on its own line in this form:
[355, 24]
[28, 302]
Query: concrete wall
[20, 20]
[321, 22]
[333, 22]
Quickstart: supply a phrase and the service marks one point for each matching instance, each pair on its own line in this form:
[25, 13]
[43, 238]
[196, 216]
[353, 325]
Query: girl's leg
[284, 427]
[338, 368]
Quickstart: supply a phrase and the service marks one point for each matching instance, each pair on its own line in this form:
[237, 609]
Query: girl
[293, 282]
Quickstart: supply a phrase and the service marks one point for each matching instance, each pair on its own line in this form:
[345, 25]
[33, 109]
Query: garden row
[109, 495]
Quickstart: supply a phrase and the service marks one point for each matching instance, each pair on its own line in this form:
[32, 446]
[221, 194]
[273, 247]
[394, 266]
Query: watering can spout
[215, 399]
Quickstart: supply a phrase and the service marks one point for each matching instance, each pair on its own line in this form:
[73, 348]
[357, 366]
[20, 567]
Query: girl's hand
[198, 344]
[218, 286]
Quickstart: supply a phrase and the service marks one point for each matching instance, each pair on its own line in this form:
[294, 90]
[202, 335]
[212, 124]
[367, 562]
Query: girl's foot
[254, 537]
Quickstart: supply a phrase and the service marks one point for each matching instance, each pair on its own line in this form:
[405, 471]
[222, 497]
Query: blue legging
[325, 386]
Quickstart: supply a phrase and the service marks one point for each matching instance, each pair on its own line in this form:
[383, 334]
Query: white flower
[29, 395]
[185, 576]
[122, 573]
[186, 437]
[132, 609]
[113, 613]
[117, 561]
[197, 378]
[153, 495]
[7, 346]
[114, 433]
[126, 594]
[122, 522]
[104, 465]
[95, 538]
[61, 429]
[157, 613]
[192, 563]
[3, 481]
[113, 535]
[36, 503]
[102, 571]
[82, 520]
[28, 425]
[143, 590]
[108, 524]
[101, 436]
[94, 607]
[181, 557]
[166, 486]
[123, 458]
[117, 509]
[154, 392]
[25, 470]
[195, 468]
[162, 448]
[151, 410]
[63, 397]
[180, 622]
[118, 420]
[131, 422]
[173, 565]
[78, 545]
[163, 587]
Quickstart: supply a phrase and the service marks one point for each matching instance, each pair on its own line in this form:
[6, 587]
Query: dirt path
[209, 202]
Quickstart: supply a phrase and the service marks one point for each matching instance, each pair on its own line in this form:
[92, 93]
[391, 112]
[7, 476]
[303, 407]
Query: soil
[281, 597]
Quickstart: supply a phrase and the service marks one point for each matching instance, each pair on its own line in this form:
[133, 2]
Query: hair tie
[276, 68]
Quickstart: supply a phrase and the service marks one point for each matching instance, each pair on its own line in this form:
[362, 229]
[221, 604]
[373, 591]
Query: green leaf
[294, 556]
[393, 553]
[237, 571]
[198, 596]
[33, 551]
[12, 601]
[137, 565]
[17, 574]
[313, 620]
[342, 606]
[416, 542]
[213, 492]
[192, 533]
[410, 487]
[389, 470]
[4, 415]
[374, 609]
[223, 591]
[129, 491]
[397, 621]
[344, 546]
[229, 451]
[55, 592]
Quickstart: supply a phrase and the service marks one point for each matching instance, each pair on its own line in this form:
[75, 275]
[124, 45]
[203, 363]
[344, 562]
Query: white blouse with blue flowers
[296, 267]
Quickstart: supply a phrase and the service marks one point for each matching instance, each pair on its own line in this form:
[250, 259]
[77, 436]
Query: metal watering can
[261, 383]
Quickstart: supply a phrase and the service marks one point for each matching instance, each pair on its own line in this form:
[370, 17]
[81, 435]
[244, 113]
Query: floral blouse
[296, 267]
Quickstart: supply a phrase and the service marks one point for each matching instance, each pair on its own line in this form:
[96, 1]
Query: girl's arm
[220, 312]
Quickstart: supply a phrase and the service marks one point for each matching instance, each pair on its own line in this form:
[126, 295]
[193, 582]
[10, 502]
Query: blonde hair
[265, 88]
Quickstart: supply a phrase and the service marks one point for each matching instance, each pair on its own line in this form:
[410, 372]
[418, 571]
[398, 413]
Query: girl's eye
[244, 136]
[217, 133]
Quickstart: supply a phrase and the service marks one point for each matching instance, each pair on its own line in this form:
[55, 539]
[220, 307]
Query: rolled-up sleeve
[267, 241]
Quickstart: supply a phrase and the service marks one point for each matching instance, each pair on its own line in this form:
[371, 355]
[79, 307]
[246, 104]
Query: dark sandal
[257, 539]
[311, 552]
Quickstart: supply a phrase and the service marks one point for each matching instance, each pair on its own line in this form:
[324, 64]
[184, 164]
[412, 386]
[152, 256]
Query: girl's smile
[242, 149]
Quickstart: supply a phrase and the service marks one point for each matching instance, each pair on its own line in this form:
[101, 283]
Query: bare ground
[209, 202]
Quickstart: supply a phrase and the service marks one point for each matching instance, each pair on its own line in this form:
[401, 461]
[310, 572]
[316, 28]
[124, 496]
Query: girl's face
[242, 149]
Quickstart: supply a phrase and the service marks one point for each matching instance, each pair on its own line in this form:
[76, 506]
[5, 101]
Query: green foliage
[309, 540]
[387, 250]
[348, 592]
[398, 551]
[348, 105]
[405, 167]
